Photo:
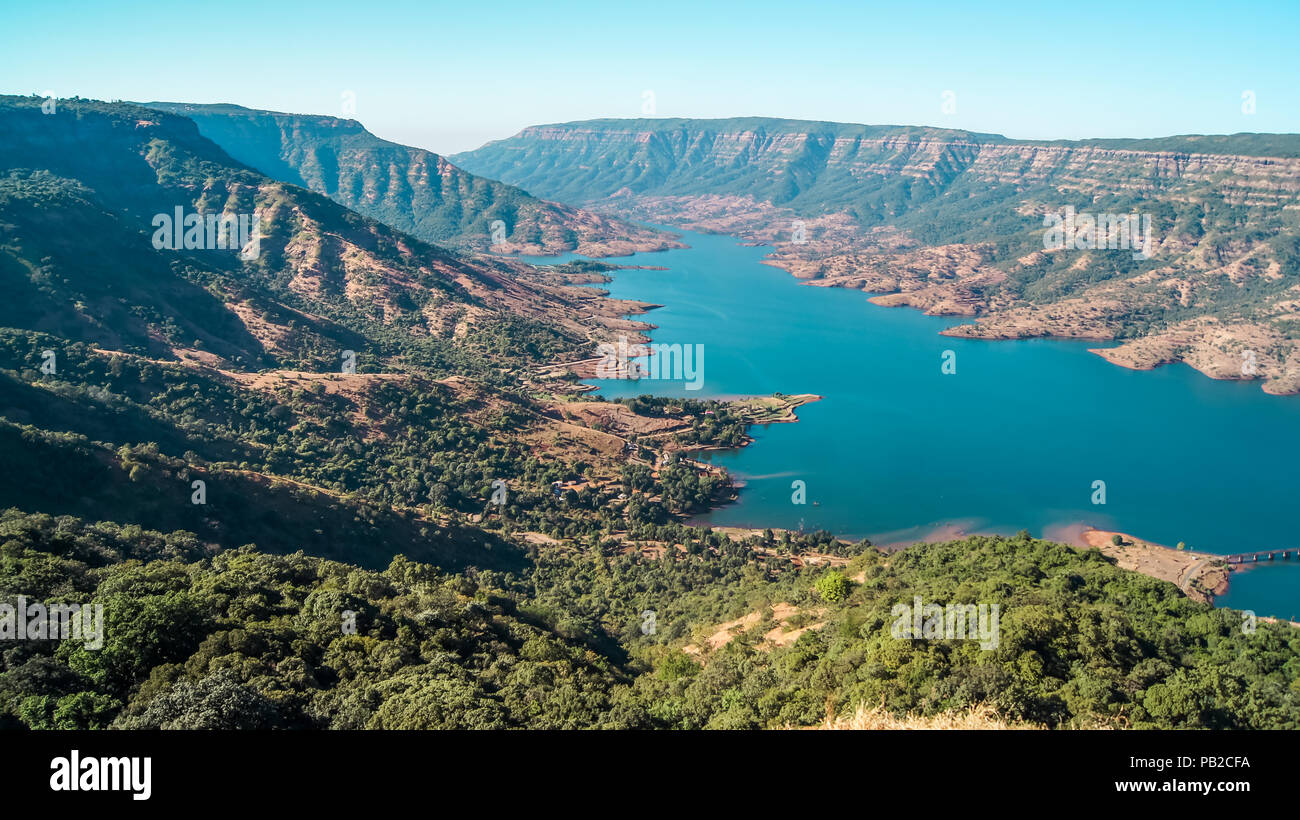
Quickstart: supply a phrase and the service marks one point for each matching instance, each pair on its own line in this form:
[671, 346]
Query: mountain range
[954, 223]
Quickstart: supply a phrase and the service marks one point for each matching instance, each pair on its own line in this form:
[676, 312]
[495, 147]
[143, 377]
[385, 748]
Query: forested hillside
[242, 639]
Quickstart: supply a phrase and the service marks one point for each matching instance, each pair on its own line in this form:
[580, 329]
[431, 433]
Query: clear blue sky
[449, 77]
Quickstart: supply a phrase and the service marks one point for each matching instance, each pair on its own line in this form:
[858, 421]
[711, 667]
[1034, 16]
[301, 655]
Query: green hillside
[246, 640]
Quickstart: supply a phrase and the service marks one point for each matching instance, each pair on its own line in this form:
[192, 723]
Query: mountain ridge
[411, 189]
[1245, 143]
[323, 278]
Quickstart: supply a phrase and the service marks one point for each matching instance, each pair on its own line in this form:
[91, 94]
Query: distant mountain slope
[874, 172]
[410, 189]
[80, 195]
[953, 222]
[814, 164]
[1286, 146]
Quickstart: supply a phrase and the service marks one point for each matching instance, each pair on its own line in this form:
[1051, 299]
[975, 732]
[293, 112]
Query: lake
[1014, 439]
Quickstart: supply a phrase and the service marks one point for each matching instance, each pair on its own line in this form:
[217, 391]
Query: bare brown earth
[617, 418]
[779, 635]
[573, 440]
[585, 429]
[1200, 575]
[955, 280]
[803, 559]
[541, 539]
[1218, 350]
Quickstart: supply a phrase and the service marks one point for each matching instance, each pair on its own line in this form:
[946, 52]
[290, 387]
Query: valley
[356, 479]
[952, 223]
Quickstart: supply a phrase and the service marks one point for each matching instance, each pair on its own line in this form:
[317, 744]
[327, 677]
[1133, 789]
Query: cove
[898, 451]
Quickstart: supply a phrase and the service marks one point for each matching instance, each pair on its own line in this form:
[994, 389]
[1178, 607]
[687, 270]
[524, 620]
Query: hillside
[952, 223]
[174, 366]
[323, 280]
[410, 189]
[240, 639]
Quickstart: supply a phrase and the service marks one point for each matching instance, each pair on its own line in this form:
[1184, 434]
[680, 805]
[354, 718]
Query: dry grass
[980, 716]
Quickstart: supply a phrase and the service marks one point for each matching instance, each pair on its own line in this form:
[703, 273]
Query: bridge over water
[1262, 555]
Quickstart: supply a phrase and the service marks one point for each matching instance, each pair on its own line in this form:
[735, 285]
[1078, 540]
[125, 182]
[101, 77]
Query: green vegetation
[241, 639]
[833, 587]
[1081, 644]
[245, 640]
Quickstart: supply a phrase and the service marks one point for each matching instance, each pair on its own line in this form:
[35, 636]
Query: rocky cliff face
[777, 162]
[411, 189]
[833, 165]
[1244, 180]
[952, 222]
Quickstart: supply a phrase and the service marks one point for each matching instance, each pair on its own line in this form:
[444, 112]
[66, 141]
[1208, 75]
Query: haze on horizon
[452, 77]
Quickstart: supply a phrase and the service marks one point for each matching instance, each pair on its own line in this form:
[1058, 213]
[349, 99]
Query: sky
[450, 77]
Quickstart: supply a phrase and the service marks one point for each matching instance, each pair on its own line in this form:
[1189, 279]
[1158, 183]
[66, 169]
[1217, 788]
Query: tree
[833, 586]
[218, 701]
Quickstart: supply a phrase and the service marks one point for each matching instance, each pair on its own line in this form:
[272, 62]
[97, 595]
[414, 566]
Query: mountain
[785, 162]
[875, 173]
[413, 190]
[132, 365]
[954, 223]
[84, 191]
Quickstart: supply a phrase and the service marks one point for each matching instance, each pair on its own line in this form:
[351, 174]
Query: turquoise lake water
[1014, 439]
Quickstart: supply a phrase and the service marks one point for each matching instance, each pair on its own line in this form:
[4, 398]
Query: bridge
[1262, 555]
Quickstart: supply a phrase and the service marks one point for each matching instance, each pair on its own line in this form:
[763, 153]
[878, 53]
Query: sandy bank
[1200, 575]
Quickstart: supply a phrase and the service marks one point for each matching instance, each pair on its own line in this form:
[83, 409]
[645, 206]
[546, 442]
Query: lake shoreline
[1201, 576]
[1207, 344]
